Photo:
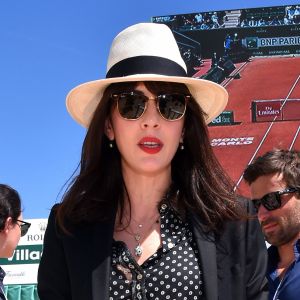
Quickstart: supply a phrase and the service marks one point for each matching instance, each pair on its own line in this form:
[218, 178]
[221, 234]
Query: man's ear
[8, 224]
[109, 131]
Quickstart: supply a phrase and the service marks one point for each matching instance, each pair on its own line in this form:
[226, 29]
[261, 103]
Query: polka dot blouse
[173, 272]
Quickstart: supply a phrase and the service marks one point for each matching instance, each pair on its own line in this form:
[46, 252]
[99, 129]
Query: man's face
[282, 225]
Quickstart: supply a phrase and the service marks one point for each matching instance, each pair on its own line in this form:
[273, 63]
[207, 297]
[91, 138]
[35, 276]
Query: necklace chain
[138, 250]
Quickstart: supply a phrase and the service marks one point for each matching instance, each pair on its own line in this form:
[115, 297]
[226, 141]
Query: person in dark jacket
[12, 226]
[274, 180]
[151, 213]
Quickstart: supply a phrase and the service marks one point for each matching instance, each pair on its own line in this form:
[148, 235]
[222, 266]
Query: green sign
[24, 254]
[225, 118]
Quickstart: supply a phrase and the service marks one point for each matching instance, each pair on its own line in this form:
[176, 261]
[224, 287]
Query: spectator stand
[270, 16]
[190, 51]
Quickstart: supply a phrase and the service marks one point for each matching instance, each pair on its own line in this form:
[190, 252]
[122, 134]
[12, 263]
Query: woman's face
[147, 145]
[9, 237]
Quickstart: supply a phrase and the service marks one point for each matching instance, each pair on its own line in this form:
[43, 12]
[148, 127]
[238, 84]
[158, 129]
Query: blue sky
[47, 48]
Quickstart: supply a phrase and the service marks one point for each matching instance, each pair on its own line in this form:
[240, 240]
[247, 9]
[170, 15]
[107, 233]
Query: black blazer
[77, 267]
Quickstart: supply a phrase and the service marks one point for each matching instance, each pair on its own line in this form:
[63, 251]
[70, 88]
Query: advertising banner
[266, 110]
[291, 110]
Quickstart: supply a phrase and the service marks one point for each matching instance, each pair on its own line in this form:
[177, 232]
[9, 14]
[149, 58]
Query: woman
[151, 214]
[12, 226]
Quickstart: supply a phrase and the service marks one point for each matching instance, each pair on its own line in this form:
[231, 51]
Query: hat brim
[83, 100]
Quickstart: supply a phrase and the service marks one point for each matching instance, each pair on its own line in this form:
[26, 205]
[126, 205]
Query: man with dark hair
[274, 180]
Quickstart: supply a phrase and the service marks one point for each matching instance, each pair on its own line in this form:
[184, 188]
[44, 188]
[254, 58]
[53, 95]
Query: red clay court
[265, 103]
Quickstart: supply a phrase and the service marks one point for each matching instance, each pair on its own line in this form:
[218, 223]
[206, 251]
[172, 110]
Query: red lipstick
[150, 145]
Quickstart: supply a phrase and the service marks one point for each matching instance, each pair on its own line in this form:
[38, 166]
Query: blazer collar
[208, 258]
[102, 245]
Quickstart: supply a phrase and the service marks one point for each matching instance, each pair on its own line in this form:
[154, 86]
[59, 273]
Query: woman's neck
[145, 193]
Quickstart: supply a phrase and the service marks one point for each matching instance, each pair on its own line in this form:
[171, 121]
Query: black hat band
[146, 65]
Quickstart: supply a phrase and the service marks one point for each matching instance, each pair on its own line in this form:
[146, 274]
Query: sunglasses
[272, 201]
[24, 226]
[132, 105]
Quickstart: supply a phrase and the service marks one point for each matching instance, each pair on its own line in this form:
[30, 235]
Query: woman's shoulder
[62, 227]
[66, 227]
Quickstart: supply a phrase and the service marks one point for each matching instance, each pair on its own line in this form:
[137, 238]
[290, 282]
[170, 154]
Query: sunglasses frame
[275, 196]
[116, 96]
[24, 226]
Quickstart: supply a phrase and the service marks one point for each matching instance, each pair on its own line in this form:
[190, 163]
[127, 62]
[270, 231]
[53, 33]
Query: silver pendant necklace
[138, 250]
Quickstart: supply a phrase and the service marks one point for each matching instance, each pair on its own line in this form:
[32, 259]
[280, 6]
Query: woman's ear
[109, 131]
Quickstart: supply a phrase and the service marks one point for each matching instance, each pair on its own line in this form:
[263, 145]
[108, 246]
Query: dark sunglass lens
[172, 106]
[256, 204]
[131, 106]
[24, 229]
[271, 201]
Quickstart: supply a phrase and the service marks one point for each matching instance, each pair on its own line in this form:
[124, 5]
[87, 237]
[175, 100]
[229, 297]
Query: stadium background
[254, 54]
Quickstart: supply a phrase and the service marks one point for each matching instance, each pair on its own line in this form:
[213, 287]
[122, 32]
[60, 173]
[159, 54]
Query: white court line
[268, 130]
[294, 140]
[236, 71]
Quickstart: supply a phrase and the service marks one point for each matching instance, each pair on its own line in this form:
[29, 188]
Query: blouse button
[131, 266]
[140, 276]
[170, 245]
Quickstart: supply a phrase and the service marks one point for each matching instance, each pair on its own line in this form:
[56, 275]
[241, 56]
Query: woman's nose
[151, 117]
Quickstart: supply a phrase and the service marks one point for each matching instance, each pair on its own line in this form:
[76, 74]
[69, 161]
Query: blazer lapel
[102, 243]
[207, 251]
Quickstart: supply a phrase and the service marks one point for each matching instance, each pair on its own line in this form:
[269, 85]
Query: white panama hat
[145, 52]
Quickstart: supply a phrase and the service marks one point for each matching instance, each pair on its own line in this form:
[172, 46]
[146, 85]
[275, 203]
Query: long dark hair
[199, 182]
[10, 205]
